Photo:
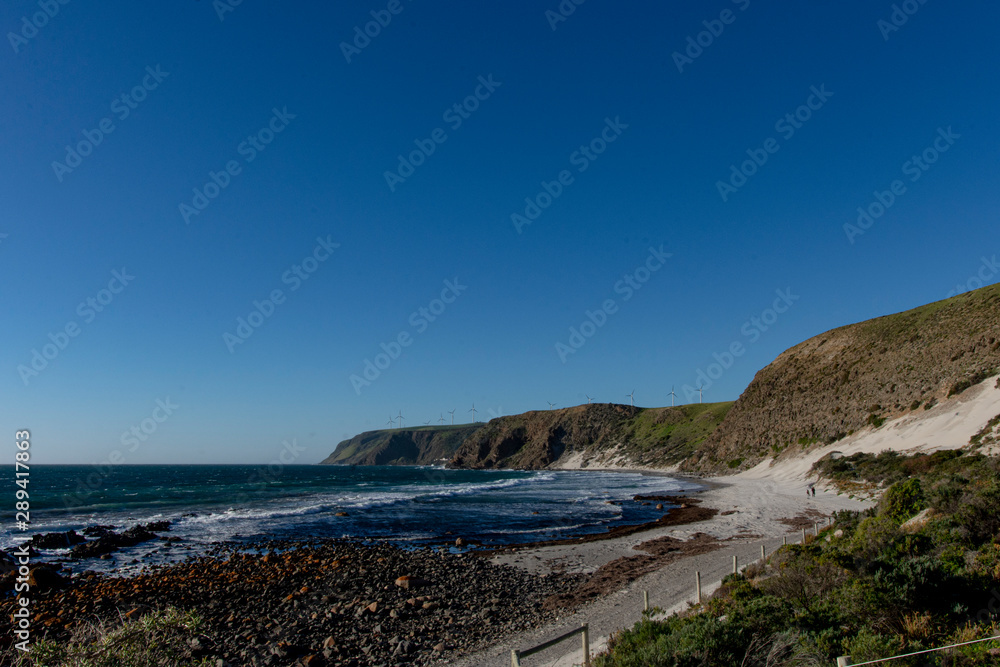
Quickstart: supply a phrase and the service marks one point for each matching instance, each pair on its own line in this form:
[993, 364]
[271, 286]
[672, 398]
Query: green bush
[979, 513]
[876, 420]
[869, 645]
[902, 500]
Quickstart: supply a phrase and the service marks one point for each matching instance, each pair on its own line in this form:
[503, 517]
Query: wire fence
[846, 660]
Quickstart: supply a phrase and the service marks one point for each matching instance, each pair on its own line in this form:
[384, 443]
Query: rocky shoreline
[327, 602]
[314, 603]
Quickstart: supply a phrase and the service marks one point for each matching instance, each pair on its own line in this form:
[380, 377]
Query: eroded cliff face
[856, 376]
[416, 446]
[596, 436]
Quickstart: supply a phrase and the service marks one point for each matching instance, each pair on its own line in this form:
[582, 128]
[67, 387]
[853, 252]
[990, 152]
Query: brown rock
[45, 578]
[917, 523]
[408, 582]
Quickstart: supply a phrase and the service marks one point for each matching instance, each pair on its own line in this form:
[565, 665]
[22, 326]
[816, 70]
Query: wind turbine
[589, 399]
[441, 421]
[400, 418]
[700, 390]
[452, 413]
[427, 423]
[672, 396]
[390, 421]
[551, 404]
[473, 411]
[631, 398]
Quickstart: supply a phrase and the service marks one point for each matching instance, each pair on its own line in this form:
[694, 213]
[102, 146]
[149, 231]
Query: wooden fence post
[697, 584]
[645, 600]
[844, 661]
[586, 645]
[735, 568]
[763, 554]
[515, 659]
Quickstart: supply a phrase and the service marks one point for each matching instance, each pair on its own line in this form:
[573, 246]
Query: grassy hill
[858, 376]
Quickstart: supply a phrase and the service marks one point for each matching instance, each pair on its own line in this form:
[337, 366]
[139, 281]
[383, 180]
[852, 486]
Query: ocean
[208, 504]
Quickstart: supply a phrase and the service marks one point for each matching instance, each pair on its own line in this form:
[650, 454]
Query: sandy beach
[757, 507]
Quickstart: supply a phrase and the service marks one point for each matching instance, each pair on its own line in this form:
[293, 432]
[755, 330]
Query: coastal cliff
[602, 435]
[402, 446]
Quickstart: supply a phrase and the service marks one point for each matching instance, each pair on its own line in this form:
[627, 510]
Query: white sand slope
[948, 425]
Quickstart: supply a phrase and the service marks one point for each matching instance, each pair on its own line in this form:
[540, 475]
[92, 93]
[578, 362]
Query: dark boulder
[56, 540]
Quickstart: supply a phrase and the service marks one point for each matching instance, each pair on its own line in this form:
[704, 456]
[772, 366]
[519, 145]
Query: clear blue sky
[608, 69]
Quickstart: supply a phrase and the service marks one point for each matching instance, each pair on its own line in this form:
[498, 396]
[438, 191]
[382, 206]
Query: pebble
[320, 602]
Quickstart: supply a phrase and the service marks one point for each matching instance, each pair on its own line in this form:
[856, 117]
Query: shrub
[803, 578]
[876, 420]
[902, 500]
[870, 539]
[869, 645]
[979, 513]
[973, 379]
